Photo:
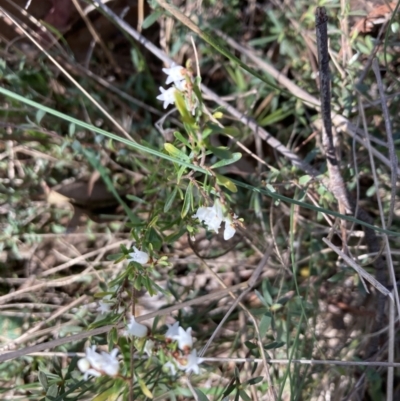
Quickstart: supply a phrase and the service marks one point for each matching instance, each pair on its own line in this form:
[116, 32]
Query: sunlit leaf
[226, 182]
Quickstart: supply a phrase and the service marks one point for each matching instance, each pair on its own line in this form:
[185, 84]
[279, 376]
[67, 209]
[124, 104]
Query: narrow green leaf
[275, 117]
[182, 108]
[43, 380]
[200, 395]
[265, 324]
[175, 152]
[144, 388]
[52, 392]
[152, 18]
[39, 115]
[170, 199]
[235, 157]
[255, 380]
[182, 139]
[226, 182]
[222, 152]
[188, 200]
[136, 199]
[244, 396]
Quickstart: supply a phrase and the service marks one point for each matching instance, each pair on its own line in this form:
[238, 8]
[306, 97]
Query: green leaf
[226, 182]
[235, 157]
[52, 392]
[228, 390]
[175, 152]
[200, 395]
[170, 199]
[152, 18]
[39, 115]
[250, 345]
[265, 324]
[182, 139]
[221, 152]
[244, 396]
[276, 116]
[182, 108]
[255, 380]
[71, 129]
[144, 388]
[111, 394]
[276, 307]
[43, 380]
[304, 179]
[136, 199]
[188, 200]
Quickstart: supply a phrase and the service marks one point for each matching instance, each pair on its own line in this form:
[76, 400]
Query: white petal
[138, 256]
[184, 338]
[175, 73]
[193, 363]
[104, 307]
[111, 364]
[148, 348]
[229, 229]
[167, 96]
[136, 329]
[173, 330]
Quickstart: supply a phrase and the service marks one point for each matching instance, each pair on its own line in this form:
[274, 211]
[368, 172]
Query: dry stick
[390, 143]
[105, 329]
[337, 185]
[350, 364]
[362, 273]
[61, 311]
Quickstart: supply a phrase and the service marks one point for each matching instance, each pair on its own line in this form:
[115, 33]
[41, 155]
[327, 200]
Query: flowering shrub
[202, 195]
[176, 347]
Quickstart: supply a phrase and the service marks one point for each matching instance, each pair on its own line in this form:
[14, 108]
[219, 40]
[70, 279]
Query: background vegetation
[85, 174]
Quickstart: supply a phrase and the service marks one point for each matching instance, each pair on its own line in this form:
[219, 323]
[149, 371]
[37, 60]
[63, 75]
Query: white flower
[212, 216]
[172, 331]
[138, 256]
[148, 348]
[230, 230]
[135, 329]
[192, 363]
[167, 96]
[184, 338]
[171, 367]
[176, 74]
[95, 364]
[105, 305]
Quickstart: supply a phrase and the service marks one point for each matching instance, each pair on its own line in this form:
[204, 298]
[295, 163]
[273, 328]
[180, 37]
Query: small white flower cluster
[188, 359]
[213, 217]
[184, 358]
[95, 364]
[176, 75]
